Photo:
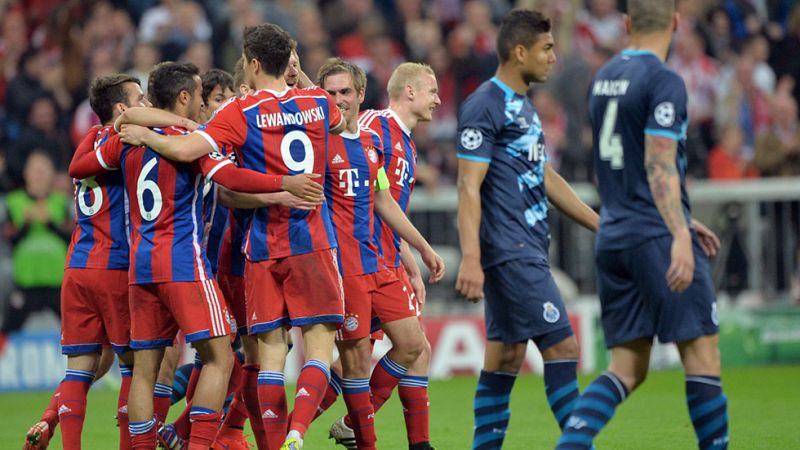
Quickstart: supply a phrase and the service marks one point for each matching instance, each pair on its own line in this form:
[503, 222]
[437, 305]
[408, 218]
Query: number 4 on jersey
[610, 142]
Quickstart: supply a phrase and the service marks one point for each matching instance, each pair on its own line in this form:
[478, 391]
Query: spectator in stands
[726, 161]
[13, 43]
[472, 47]
[757, 47]
[145, 56]
[786, 57]
[778, 150]
[39, 232]
[22, 89]
[744, 104]
[200, 54]
[42, 134]
[173, 25]
[717, 33]
[601, 25]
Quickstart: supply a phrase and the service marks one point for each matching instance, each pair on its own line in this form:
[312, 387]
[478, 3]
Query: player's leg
[704, 396]
[273, 409]
[413, 392]
[171, 435]
[250, 370]
[126, 375]
[209, 397]
[142, 421]
[492, 396]
[356, 359]
[81, 369]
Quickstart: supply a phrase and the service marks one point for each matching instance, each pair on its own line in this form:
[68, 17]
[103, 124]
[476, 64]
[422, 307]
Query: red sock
[237, 413]
[359, 409]
[162, 399]
[311, 386]
[193, 377]
[182, 424]
[122, 407]
[72, 406]
[272, 407]
[250, 395]
[50, 414]
[331, 394]
[416, 408]
[385, 376]
[146, 441]
[205, 424]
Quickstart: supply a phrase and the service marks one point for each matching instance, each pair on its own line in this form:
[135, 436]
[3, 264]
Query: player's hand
[304, 187]
[290, 201]
[469, 282]
[133, 134]
[418, 286]
[708, 239]
[681, 267]
[435, 265]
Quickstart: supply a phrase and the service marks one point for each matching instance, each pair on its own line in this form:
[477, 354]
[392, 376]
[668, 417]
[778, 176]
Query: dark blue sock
[561, 386]
[491, 409]
[592, 412]
[180, 383]
[708, 408]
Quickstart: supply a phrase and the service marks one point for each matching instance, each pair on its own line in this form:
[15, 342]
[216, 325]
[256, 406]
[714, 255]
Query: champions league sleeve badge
[471, 138]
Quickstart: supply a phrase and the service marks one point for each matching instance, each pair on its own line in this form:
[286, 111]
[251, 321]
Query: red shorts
[232, 287]
[400, 273]
[159, 310]
[380, 294]
[94, 311]
[296, 290]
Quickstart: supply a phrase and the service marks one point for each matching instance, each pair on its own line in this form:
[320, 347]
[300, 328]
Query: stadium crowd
[739, 59]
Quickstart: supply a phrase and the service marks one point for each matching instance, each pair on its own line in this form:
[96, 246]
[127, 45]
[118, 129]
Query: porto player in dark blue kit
[505, 183]
[654, 277]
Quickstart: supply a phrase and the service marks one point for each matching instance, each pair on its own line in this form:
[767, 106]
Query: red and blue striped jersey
[280, 133]
[225, 232]
[166, 212]
[400, 162]
[100, 238]
[350, 184]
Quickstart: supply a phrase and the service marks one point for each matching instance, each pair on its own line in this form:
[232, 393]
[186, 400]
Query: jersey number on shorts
[610, 142]
[97, 193]
[143, 185]
[305, 165]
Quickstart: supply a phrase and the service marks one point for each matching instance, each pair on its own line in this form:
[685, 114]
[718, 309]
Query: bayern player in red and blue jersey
[356, 187]
[171, 283]
[280, 131]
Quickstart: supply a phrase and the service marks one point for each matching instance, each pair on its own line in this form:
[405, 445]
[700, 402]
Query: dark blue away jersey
[633, 95]
[499, 127]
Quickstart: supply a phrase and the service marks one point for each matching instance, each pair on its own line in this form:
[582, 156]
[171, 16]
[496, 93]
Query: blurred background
[740, 60]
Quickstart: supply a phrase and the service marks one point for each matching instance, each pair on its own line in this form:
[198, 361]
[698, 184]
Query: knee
[407, 350]
[566, 349]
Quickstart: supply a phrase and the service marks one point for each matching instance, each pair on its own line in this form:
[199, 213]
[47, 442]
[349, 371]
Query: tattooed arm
[662, 175]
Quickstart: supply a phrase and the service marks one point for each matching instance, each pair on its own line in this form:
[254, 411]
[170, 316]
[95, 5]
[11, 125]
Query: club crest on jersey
[351, 322]
[372, 154]
[665, 114]
[471, 138]
[551, 314]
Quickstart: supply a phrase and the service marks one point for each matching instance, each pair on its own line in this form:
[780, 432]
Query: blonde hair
[406, 74]
[648, 16]
[335, 66]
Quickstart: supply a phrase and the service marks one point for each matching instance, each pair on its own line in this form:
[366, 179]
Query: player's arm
[414, 274]
[239, 179]
[470, 274]
[153, 118]
[391, 213]
[181, 148]
[660, 154]
[240, 200]
[560, 194]
[88, 161]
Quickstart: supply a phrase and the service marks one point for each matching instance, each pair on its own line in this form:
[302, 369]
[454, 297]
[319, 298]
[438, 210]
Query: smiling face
[292, 73]
[537, 60]
[341, 87]
[426, 97]
[216, 98]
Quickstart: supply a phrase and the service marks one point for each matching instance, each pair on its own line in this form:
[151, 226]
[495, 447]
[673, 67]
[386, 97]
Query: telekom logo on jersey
[280, 119]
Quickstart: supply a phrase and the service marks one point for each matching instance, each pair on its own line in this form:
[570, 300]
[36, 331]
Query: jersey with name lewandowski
[280, 133]
[501, 128]
[633, 95]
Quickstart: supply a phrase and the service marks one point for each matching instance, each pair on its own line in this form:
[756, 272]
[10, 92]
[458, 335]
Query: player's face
[426, 98]
[341, 88]
[539, 59]
[135, 95]
[292, 73]
[216, 98]
[195, 106]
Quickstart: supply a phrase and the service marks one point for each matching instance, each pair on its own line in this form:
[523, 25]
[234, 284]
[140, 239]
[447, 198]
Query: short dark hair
[648, 16]
[520, 27]
[214, 78]
[337, 65]
[167, 80]
[270, 46]
[106, 91]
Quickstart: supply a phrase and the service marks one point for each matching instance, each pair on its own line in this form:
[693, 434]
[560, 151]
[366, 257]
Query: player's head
[266, 50]
[526, 43]
[176, 87]
[415, 84]
[240, 81]
[217, 88]
[346, 82]
[109, 95]
[292, 73]
[651, 16]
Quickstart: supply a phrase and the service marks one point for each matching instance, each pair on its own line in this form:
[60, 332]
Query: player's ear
[627, 21]
[675, 19]
[361, 94]
[519, 53]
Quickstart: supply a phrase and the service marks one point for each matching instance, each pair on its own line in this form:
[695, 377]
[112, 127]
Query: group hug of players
[213, 214]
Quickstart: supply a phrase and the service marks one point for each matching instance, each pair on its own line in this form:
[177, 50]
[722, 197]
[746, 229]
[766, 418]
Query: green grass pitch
[763, 408]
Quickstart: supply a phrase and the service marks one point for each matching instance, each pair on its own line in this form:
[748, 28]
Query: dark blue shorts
[523, 302]
[636, 302]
